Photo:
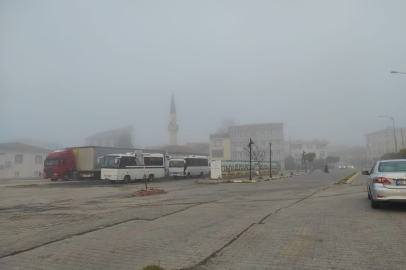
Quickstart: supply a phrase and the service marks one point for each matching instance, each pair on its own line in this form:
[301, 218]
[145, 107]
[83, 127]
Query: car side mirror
[365, 172]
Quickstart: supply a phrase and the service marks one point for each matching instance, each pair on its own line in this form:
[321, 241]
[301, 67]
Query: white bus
[189, 166]
[129, 167]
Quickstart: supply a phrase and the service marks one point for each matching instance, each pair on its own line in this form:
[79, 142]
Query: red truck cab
[59, 165]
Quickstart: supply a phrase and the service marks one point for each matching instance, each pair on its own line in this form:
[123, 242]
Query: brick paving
[291, 223]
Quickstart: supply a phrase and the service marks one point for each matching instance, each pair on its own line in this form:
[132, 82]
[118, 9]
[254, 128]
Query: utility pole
[270, 160]
[304, 161]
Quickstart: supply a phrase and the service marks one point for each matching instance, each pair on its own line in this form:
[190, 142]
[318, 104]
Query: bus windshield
[109, 162]
[176, 163]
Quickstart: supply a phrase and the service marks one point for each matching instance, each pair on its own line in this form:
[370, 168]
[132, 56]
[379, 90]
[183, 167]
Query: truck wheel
[201, 174]
[112, 182]
[54, 179]
[65, 177]
[150, 178]
[126, 179]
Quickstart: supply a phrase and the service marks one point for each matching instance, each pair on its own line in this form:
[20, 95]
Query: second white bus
[189, 166]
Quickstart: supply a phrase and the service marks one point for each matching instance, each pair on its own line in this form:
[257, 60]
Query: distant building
[43, 144]
[382, 141]
[296, 148]
[18, 160]
[220, 146]
[180, 151]
[202, 147]
[173, 127]
[238, 138]
[122, 137]
[349, 156]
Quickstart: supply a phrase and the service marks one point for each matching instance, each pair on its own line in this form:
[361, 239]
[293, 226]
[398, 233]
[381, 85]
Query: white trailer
[129, 167]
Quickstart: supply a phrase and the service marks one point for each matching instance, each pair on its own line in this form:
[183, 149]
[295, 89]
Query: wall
[26, 169]
[225, 147]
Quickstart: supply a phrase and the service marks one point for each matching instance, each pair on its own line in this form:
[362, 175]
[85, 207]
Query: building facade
[262, 135]
[18, 160]
[382, 141]
[296, 148]
[173, 127]
[122, 137]
[220, 146]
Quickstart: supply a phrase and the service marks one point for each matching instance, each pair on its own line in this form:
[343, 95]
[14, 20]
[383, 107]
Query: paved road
[297, 222]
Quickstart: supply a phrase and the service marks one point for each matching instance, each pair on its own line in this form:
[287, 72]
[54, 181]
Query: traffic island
[147, 192]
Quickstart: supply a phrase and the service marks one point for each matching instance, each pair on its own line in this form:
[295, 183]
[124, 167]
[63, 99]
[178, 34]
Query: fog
[70, 69]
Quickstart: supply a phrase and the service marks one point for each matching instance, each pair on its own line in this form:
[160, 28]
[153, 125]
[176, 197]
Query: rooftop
[22, 148]
[112, 132]
[178, 149]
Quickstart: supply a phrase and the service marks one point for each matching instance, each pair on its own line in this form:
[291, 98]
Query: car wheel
[112, 182]
[65, 177]
[369, 195]
[374, 204]
[126, 179]
[54, 179]
[150, 178]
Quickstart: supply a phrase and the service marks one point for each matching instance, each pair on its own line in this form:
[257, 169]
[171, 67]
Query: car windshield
[51, 162]
[176, 163]
[392, 166]
[109, 162]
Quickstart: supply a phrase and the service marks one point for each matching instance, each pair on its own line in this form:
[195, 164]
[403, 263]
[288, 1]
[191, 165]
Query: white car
[386, 182]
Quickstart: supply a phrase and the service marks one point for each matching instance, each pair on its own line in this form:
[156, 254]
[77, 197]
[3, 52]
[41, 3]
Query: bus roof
[133, 155]
[190, 156]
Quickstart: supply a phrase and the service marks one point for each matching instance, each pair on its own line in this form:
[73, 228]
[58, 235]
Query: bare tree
[257, 155]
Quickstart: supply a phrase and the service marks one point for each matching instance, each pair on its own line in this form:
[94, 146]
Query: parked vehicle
[386, 182]
[189, 166]
[81, 162]
[132, 166]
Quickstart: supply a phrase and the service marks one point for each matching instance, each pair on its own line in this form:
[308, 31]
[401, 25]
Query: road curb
[349, 181]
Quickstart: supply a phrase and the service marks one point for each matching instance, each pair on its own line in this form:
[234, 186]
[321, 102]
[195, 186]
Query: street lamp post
[270, 160]
[394, 133]
[251, 143]
[304, 161]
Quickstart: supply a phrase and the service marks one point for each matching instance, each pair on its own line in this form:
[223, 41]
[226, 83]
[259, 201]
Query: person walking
[326, 169]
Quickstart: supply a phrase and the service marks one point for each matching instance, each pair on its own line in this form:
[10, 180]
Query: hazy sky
[69, 69]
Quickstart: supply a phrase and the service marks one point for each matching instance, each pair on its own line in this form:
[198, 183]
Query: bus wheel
[150, 178]
[175, 177]
[65, 177]
[188, 175]
[126, 179]
[112, 182]
[201, 174]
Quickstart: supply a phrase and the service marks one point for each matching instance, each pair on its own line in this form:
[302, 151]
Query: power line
[401, 107]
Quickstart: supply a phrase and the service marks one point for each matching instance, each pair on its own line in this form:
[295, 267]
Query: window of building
[278, 152]
[262, 133]
[277, 142]
[38, 159]
[252, 133]
[269, 132]
[322, 153]
[276, 132]
[17, 174]
[18, 159]
[309, 146]
[217, 153]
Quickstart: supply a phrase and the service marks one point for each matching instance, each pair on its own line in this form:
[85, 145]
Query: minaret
[173, 127]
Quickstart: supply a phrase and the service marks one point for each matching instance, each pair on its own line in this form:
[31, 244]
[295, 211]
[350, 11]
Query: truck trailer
[82, 162]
